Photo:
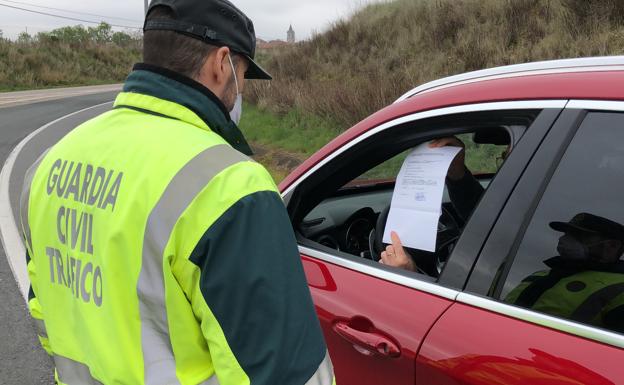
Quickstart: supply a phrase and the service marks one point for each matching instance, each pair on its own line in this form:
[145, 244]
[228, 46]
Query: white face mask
[237, 110]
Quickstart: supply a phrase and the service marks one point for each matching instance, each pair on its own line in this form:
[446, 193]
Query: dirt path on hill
[277, 159]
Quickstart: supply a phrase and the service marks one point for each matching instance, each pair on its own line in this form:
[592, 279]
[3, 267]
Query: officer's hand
[396, 256]
[457, 169]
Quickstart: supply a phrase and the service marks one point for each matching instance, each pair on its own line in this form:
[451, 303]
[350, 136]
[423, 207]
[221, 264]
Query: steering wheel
[429, 263]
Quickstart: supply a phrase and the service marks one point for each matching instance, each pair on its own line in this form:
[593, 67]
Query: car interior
[343, 207]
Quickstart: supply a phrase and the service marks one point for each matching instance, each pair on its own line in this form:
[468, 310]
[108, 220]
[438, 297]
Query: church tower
[290, 35]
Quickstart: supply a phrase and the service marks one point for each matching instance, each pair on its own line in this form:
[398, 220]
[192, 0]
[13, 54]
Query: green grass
[293, 135]
[295, 131]
[277, 173]
[298, 135]
[481, 158]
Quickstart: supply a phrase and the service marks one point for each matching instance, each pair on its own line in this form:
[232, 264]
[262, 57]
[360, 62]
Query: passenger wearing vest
[585, 282]
[158, 252]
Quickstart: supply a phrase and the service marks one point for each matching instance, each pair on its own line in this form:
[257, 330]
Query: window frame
[441, 287]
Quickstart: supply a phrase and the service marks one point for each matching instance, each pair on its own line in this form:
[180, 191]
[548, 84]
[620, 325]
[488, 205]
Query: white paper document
[417, 199]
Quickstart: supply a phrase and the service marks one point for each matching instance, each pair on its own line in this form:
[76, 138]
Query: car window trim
[382, 272]
[551, 322]
[595, 105]
[478, 107]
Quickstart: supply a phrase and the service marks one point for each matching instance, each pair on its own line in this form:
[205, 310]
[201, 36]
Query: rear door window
[569, 262]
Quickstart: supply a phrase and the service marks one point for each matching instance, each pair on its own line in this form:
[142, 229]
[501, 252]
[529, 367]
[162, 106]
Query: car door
[375, 318]
[533, 312]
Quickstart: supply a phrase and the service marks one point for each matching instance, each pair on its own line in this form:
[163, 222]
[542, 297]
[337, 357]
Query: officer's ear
[216, 71]
[221, 68]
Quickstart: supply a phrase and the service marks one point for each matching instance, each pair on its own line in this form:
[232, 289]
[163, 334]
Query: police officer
[158, 252]
[585, 282]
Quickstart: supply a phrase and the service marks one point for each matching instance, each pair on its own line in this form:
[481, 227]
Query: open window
[342, 208]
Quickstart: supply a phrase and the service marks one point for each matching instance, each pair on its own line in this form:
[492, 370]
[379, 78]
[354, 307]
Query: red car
[502, 299]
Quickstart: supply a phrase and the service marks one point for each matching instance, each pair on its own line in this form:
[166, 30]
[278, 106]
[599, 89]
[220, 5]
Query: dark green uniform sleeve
[253, 282]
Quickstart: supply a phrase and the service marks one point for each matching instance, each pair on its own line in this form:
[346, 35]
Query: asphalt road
[11, 99]
[22, 360]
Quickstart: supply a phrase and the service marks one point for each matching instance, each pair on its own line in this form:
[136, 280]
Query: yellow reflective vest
[159, 254]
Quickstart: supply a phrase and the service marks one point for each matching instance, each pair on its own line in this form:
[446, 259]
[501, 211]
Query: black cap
[591, 224]
[216, 22]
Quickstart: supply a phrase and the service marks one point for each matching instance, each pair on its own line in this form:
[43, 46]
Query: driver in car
[464, 191]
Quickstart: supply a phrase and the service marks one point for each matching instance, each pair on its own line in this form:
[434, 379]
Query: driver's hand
[396, 256]
[457, 169]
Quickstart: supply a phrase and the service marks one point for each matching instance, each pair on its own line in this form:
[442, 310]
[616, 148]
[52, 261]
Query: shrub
[68, 56]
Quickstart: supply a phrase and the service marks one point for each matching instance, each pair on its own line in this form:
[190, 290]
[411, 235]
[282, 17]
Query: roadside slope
[364, 63]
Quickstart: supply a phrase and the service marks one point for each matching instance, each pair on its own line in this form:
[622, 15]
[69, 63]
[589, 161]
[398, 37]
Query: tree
[24, 38]
[72, 35]
[100, 34]
[121, 39]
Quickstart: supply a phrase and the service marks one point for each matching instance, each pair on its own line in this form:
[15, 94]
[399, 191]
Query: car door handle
[367, 343]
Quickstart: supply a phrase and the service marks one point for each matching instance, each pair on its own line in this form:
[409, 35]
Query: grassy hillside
[67, 56]
[363, 64]
[326, 84]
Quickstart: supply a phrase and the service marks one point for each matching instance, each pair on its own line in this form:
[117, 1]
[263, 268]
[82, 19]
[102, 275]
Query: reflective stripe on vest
[159, 363]
[72, 372]
[25, 198]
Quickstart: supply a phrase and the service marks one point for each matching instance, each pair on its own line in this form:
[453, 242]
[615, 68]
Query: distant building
[263, 44]
[290, 35]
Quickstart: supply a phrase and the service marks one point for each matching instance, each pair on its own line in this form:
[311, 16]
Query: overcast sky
[271, 17]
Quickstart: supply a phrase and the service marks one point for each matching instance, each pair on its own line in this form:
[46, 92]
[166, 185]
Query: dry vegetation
[358, 66]
[363, 64]
[67, 56]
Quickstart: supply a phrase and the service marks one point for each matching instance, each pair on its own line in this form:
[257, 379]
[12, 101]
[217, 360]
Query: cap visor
[565, 227]
[256, 72]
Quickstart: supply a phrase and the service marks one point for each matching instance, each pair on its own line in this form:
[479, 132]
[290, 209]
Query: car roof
[600, 78]
[591, 64]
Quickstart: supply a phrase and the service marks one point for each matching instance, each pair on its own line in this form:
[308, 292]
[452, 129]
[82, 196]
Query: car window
[569, 263]
[349, 222]
[341, 208]
[481, 158]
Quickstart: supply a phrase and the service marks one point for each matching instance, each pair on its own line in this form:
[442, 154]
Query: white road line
[9, 229]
